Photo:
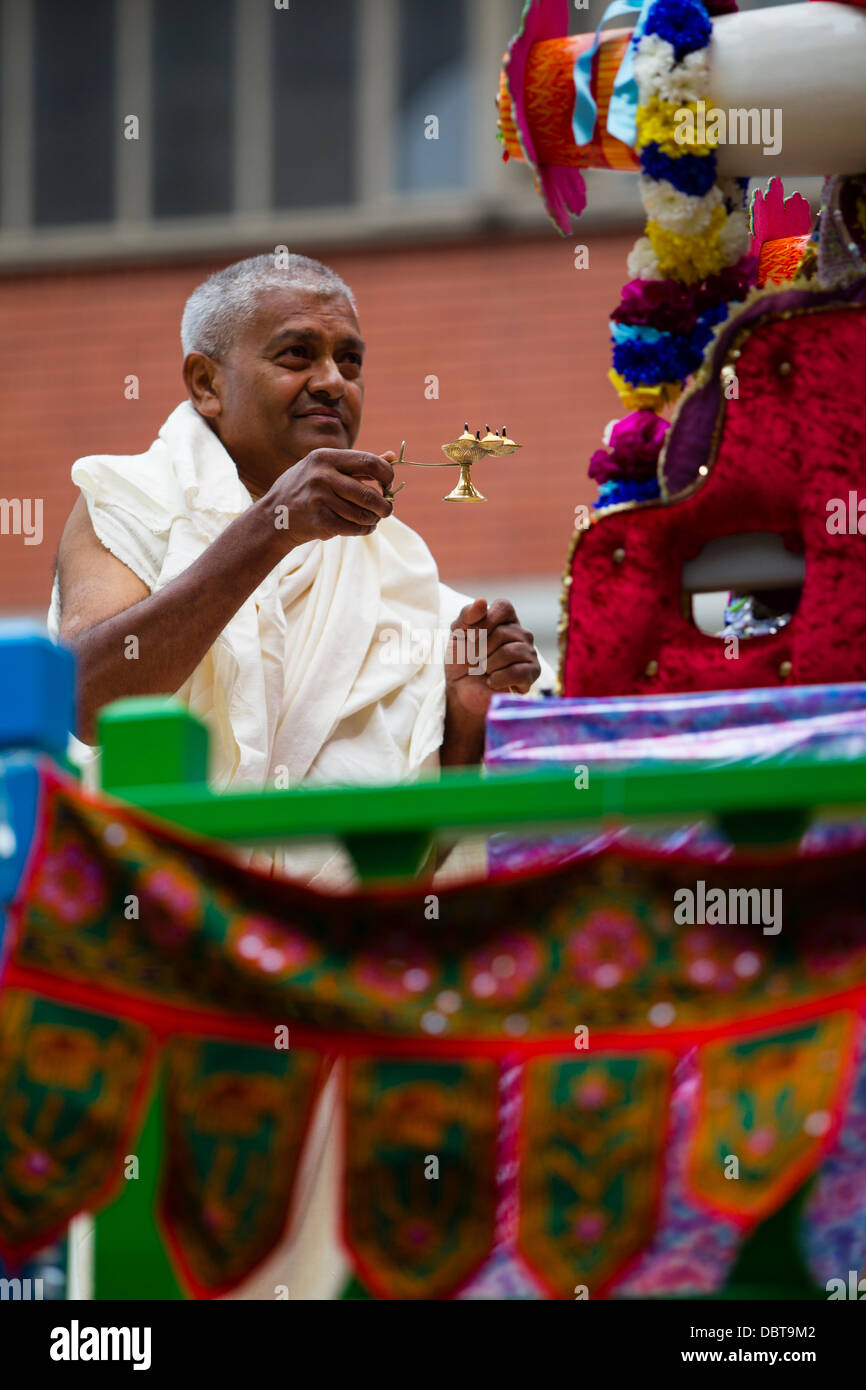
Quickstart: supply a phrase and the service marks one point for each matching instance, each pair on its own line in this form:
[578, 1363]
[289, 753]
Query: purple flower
[672, 307]
[663, 304]
[734, 282]
[635, 444]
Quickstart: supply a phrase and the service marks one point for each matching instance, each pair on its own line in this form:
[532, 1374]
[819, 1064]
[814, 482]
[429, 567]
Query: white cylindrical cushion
[807, 62]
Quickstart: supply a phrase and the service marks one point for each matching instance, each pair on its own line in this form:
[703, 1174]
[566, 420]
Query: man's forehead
[302, 310]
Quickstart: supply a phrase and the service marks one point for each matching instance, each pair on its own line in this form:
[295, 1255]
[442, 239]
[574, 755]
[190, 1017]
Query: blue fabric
[621, 121]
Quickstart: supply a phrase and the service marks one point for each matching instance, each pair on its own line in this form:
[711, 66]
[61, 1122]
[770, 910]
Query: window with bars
[160, 115]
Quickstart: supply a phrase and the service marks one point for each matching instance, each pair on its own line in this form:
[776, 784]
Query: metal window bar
[133, 58]
[253, 100]
[16, 115]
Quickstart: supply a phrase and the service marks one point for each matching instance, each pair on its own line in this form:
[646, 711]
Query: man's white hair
[229, 299]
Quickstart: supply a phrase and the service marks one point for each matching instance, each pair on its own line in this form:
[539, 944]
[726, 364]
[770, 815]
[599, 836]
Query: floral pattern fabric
[545, 1084]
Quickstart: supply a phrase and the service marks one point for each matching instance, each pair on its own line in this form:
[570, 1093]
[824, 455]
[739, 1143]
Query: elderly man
[249, 561]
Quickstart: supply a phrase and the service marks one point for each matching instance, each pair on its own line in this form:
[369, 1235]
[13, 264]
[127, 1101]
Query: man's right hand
[331, 492]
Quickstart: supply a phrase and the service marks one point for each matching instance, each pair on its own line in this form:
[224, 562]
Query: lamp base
[465, 491]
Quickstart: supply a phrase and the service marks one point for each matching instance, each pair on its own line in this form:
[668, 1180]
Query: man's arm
[102, 602]
[463, 736]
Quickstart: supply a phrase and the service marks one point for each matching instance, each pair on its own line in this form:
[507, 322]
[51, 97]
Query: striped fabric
[549, 97]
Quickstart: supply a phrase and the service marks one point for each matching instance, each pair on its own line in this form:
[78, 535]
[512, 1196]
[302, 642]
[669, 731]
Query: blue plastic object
[37, 689]
[19, 794]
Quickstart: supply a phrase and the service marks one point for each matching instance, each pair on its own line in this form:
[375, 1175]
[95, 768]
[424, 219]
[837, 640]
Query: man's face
[291, 382]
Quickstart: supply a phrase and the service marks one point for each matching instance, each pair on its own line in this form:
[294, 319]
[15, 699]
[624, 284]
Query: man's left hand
[489, 652]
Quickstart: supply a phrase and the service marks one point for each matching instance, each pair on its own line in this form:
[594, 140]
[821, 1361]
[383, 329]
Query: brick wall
[515, 334]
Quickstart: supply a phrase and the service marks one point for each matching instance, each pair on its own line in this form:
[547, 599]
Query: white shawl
[297, 686]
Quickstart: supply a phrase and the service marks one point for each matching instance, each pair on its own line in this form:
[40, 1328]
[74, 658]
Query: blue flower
[715, 315]
[671, 358]
[609, 494]
[683, 23]
[635, 333]
[703, 331]
[689, 173]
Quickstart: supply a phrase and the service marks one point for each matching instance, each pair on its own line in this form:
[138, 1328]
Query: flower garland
[693, 260]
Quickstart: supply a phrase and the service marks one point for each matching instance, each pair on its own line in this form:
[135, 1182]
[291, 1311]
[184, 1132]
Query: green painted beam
[469, 800]
[155, 757]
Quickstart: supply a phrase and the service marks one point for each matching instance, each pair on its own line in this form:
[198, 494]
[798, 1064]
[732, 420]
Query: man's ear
[201, 376]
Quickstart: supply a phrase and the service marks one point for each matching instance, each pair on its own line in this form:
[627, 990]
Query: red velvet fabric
[792, 440]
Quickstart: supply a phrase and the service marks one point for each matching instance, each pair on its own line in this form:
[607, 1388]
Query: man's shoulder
[145, 485]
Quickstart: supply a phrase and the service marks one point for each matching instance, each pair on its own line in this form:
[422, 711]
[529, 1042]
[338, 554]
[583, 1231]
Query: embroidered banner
[527, 1039]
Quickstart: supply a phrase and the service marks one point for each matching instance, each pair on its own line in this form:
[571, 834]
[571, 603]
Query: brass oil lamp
[464, 451]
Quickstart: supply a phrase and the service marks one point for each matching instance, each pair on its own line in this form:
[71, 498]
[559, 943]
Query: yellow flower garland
[689, 258]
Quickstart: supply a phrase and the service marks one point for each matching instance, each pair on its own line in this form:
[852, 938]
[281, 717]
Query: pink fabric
[562, 189]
